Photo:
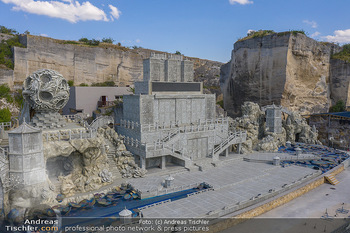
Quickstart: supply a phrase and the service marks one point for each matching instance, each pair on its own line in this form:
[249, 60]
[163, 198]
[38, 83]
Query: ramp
[331, 179]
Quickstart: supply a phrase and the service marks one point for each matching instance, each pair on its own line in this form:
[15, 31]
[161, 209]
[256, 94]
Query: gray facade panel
[187, 71]
[146, 109]
[175, 87]
[173, 70]
[131, 107]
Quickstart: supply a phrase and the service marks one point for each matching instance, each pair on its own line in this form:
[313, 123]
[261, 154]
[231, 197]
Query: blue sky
[199, 28]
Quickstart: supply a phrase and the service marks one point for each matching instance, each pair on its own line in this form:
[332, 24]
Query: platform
[268, 157]
[235, 183]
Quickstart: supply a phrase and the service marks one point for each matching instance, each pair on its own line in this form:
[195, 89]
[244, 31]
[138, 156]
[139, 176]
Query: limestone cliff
[287, 69]
[340, 81]
[93, 64]
[208, 72]
[253, 121]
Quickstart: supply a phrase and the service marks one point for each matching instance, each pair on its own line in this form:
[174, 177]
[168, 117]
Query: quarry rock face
[282, 68]
[340, 81]
[253, 121]
[92, 64]
[82, 165]
[84, 160]
[83, 64]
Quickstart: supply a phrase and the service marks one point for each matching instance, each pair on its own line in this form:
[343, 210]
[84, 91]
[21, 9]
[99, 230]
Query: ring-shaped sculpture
[46, 90]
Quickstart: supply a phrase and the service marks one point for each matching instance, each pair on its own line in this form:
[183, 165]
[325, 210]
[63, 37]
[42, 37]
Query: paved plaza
[234, 183]
[304, 214]
[269, 157]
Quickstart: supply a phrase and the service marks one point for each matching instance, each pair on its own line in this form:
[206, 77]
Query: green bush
[221, 103]
[9, 99]
[262, 33]
[344, 54]
[84, 40]
[6, 54]
[5, 115]
[108, 40]
[4, 91]
[110, 83]
[70, 42]
[255, 34]
[83, 85]
[132, 89]
[338, 107]
[70, 83]
[104, 84]
[19, 98]
[9, 31]
[295, 32]
[93, 42]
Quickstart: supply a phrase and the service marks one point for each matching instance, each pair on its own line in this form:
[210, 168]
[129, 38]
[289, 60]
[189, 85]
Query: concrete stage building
[169, 120]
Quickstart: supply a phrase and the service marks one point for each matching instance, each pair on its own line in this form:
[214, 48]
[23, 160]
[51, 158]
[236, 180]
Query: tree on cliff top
[8, 31]
[108, 40]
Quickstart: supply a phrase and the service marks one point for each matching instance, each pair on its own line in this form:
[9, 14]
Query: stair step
[331, 179]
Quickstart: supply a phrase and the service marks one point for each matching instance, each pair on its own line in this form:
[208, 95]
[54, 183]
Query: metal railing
[68, 135]
[154, 204]
[106, 103]
[130, 124]
[194, 126]
[5, 125]
[77, 119]
[101, 121]
[239, 136]
[157, 192]
[4, 152]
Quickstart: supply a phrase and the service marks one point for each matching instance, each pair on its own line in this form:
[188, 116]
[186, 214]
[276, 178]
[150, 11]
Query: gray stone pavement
[233, 183]
[314, 203]
[232, 172]
[304, 214]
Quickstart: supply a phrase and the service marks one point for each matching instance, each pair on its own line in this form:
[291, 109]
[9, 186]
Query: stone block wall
[131, 107]
[153, 69]
[163, 109]
[187, 71]
[142, 88]
[172, 70]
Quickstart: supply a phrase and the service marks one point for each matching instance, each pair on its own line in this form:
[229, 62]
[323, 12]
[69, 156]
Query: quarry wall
[287, 69]
[83, 64]
[92, 64]
[340, 81]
